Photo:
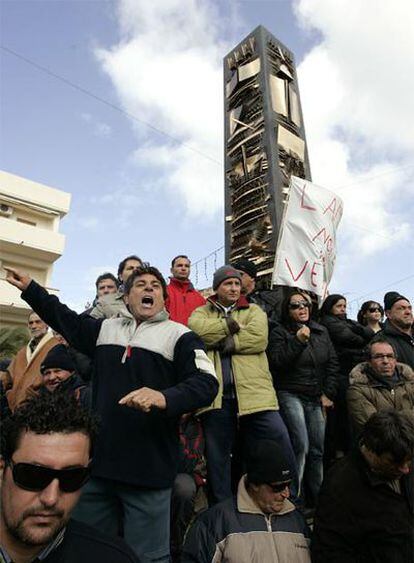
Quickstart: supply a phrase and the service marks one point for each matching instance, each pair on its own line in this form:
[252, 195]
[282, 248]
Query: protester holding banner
[305, 371]
[349, 339]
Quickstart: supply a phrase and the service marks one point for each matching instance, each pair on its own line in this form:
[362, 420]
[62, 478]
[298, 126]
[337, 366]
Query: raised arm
[81, 332]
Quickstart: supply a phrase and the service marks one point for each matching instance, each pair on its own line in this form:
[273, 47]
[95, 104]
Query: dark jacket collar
[389, 328]
[372, 478]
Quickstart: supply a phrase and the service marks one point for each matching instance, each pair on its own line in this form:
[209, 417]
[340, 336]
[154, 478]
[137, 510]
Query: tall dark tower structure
[264, 144]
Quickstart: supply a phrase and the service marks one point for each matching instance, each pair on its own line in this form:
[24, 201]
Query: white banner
[306, 251]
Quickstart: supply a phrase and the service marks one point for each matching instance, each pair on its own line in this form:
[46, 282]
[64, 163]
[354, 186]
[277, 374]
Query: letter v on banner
[306, 248]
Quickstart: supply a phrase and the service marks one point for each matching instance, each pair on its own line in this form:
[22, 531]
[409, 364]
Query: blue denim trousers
[220, 430]
[142, 514]
[306, 425]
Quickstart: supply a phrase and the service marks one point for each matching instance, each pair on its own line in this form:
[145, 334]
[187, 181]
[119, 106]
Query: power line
[372, 178]
[157, 129]
[175, 139]
[107, 103]
[381, 288]
[386, 237]
[212, 253]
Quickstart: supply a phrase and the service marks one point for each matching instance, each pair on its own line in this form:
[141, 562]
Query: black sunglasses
[374, 309]
[299, 305]
[279, 487]
[36, 477]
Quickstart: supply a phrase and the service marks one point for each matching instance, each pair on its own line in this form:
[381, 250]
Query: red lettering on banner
[300, 273]
[332, 208]
[326, 238]
[324, 233]
[302, 201]
[314, 273]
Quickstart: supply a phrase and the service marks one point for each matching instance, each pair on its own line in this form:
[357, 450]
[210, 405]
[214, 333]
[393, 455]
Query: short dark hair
[57, 412]
[390, 431]
[125, 260]
[106, 276]
[364, 308]
[146, 269]
[380, 339]
[177, 257]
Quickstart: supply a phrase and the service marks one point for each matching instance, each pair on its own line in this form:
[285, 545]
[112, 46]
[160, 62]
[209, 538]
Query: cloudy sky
[120, 104]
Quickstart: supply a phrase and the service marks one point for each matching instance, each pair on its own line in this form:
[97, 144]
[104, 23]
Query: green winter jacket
[252, 380]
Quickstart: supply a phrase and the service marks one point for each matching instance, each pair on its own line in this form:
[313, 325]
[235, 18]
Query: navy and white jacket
[133, 447]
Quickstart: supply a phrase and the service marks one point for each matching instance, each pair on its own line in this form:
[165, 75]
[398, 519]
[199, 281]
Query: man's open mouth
[147, 302]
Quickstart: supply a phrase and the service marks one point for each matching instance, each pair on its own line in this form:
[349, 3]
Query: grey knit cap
[224, 273]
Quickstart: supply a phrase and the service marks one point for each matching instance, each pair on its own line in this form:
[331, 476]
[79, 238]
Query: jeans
[145, 516]
[220, 429]
[306, 424]
[182, 504]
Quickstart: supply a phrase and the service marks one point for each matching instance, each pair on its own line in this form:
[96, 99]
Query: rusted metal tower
[264, 144]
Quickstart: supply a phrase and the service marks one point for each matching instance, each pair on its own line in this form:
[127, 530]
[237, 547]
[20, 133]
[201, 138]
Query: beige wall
[30, 214]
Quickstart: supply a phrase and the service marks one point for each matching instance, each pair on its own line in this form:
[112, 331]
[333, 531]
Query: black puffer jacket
[309, 369]
[403, 343]
[349, 339]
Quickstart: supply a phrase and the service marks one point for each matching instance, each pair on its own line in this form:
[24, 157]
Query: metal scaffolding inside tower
[264, 145]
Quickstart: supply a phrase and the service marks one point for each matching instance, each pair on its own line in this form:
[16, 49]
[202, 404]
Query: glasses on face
[374, 309]
[299, 305]
[278, 487]
[35, 478]
[383, 357]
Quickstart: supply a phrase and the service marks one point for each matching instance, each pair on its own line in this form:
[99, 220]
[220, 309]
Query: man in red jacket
[182, 297]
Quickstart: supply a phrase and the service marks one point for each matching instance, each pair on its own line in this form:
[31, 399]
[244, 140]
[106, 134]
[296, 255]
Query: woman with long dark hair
[305, 370]
[371, 314]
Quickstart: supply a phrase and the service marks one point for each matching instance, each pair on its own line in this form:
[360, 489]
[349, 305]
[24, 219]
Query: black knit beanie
[58, 357]
[246, 266]
[391, 298]
[266, 463]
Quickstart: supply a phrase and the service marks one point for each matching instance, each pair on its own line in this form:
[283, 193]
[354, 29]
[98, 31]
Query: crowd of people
[158, 425]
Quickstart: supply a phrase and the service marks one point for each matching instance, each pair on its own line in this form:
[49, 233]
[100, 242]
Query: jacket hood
[362, 373]
[246, 504]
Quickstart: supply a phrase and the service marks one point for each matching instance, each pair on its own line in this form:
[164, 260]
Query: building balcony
[23, 240]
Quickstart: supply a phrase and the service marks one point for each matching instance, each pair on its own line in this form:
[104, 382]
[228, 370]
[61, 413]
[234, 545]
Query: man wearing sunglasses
[379, 383]
[259, 523]
[46, 453]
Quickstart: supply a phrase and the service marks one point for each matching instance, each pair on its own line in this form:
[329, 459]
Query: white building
[30, 214]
